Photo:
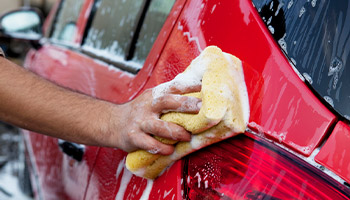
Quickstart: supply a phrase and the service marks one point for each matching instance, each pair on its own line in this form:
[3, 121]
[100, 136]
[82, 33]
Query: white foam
[237, 73]
[109, 54]
[196, 142]
[188, 104]
[199, 179]
[146, 193]
[242, 89]
[191, 77]
[154, 151]
[167, 193]
[140, 172]
[126, 177]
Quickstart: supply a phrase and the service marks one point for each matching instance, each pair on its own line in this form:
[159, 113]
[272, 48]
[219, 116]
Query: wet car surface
[290, 142]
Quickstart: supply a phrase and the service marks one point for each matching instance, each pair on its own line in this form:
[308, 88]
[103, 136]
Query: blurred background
[14, 49]
[44, 5]
[12, 186]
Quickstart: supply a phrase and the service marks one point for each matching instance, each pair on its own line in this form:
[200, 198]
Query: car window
[155, 17]
[315, 35]
[113, 28]
[123, 31]
[65, 25]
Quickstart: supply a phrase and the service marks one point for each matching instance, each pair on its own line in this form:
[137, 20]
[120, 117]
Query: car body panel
[282, 107]
[106, 177]
[51, 62]
[307, 122]
[335, 153]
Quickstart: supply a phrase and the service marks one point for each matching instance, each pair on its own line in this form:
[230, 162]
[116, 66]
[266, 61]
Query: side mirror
[25, 24]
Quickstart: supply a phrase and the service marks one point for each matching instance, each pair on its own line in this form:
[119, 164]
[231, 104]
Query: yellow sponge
[224, 112]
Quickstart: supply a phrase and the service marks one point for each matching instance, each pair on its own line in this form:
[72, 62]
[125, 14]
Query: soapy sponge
[224, 112]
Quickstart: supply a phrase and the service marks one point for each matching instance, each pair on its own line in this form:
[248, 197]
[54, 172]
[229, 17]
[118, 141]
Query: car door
[110, 180]
[62, 169]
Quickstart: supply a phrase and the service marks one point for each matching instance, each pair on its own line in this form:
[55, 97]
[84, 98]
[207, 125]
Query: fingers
[166, 130]
[177, 103]
[179, 89]
[148, 143]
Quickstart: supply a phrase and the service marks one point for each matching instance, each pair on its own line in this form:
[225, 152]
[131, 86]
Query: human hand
[139, 119]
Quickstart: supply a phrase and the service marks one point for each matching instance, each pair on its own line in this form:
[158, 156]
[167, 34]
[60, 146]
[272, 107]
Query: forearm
[33, 103]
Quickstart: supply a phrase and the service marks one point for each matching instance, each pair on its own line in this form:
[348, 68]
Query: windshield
[315, 36]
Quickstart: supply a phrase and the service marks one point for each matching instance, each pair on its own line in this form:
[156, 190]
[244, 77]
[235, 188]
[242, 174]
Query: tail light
[244, 168]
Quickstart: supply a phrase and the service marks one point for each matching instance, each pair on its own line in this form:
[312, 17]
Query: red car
[295, 60]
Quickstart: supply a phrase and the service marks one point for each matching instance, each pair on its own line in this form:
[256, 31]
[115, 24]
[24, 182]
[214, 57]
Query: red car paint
[335, 154]
[282, 106]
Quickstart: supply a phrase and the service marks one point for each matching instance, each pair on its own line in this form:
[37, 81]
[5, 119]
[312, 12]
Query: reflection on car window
[25, 21]
[123, 31]
[67, 32]
[113, 28]
[65, 26]
[315, 35]
[154, 20]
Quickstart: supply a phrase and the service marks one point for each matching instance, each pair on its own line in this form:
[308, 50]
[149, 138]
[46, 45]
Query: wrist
[107, 123]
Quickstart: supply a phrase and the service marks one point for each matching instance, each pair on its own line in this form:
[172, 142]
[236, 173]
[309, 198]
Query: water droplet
[279, 8]
[322, 167]
[271, 6]
[307, 77]
[302, 11]
[293, 61]
[269, 21]
[334, 69]
[283, 43]
[290, 4]
[329, 100]
[272, 30]
[347, 117]
[295, 42]
[313, 3]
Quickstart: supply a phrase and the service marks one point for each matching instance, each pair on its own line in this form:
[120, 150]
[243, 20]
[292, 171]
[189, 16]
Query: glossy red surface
[54, 167]
[282, 107]
[335, 153]
[90, 76]
[105, 177]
